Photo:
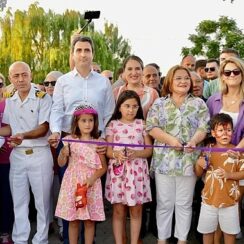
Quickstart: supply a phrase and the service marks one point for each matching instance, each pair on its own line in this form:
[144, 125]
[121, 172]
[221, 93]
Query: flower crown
[84, 109]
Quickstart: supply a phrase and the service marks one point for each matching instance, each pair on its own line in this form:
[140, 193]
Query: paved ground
[104, 233]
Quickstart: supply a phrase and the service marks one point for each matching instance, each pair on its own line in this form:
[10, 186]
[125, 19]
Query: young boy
[221, 192]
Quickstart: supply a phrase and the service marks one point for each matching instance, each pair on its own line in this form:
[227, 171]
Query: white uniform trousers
[35, 170]
[174, 193]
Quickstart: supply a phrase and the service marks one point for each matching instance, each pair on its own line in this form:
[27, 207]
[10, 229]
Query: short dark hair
[213, 60]
[220, 119]
[200, 63]
[81, 39]
[230, 50]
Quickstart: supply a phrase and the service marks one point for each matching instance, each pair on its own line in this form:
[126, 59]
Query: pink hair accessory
[84, 109]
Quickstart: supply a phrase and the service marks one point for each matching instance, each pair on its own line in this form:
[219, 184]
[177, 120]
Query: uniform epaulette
[40, 94]
[8, 94]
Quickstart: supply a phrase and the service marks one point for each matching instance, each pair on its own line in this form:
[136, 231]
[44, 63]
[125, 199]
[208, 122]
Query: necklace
[228, 102]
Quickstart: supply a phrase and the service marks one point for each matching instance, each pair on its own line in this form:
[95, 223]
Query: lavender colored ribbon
[203, 149]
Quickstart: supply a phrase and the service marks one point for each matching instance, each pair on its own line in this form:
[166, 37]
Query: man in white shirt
[26, 115]
[82, 84]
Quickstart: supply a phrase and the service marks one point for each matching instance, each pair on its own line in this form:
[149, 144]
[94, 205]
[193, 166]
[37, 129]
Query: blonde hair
[240, 65]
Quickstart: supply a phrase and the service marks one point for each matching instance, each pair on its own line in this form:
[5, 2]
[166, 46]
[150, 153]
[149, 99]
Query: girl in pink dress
[127, 182]
[85, 167]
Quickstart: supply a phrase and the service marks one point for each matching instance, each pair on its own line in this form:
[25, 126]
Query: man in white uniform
[27, 114]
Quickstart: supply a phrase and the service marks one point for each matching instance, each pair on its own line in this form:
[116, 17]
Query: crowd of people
[143, 143]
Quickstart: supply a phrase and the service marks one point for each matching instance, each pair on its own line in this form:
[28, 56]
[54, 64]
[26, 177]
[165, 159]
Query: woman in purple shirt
[231, 98]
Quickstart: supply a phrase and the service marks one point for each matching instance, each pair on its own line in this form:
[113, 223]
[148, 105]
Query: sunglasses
[1, 85]
[110, 78]
[211, 69]
[234, 72]
[47, 83]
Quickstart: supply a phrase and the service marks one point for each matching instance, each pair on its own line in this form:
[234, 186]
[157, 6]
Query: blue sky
[156, 29]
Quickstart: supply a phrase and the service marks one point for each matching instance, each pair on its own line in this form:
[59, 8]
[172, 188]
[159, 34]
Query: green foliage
[212, 36]
[42, 39]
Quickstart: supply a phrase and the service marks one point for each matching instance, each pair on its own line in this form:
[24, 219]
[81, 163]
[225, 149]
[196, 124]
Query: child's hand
[101, 149]
[65, 151]
[202, 162]
[233, 154]
[221, 173]
[89, 181]
[120, 155]
[131, 154]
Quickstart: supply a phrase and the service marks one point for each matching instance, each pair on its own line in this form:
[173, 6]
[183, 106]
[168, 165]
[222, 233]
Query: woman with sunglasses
[6, 204]
[230, 100]
[50, 81]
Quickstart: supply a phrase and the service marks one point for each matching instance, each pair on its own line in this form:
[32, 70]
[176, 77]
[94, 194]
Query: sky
[156, 29]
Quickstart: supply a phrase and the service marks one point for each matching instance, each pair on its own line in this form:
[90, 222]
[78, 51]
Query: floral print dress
[133, 186]
[182, 123]
[83, 162]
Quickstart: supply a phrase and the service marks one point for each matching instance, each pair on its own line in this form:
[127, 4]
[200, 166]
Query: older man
[27, 114]
[151, 77]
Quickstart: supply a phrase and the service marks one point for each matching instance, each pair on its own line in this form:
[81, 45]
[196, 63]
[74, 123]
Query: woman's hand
[174, 142]
[190, 146]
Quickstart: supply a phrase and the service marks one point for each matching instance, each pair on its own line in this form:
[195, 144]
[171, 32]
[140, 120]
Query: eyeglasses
[211, 69]
[47, 83]
[234, 72]
[127, 106]
[1, 84]
[179, 79]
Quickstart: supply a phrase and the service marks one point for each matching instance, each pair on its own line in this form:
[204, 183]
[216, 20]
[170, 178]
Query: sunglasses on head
[47, 83]
[211, 69]
[1, 84]
[234, 72]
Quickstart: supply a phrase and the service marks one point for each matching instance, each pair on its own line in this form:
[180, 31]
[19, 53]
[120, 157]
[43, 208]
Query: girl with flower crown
[85, 167]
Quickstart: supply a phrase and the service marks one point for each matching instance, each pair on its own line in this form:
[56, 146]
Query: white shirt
[234, 116]
[71, 90]
[28, 115]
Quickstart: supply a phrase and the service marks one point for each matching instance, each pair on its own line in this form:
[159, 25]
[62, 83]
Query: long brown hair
[75, 131]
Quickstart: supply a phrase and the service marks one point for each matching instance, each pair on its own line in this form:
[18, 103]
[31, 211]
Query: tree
[42, 39]
[212, 36]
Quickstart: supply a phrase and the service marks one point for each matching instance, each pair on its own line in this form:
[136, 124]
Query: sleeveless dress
[133, 186]
[83, 162]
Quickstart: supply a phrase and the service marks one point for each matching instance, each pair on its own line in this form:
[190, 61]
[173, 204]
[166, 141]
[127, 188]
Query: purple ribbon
[203, 149]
